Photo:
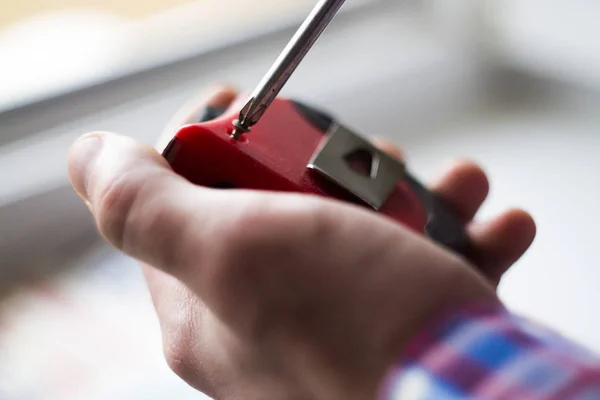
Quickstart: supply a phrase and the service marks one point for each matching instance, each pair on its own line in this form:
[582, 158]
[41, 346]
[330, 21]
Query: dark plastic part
[170, 152]
[319, 119]
[442, 226]
[222, 185]
[210, 113]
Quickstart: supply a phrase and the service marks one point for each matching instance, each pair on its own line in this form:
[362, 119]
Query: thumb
[139, 204]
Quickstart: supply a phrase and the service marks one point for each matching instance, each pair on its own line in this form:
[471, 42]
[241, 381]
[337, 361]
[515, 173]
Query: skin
[284, 296]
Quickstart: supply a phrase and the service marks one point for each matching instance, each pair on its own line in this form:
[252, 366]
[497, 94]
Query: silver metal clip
[358, 166]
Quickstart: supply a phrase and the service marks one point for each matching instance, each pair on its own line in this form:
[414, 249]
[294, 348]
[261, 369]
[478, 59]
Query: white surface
[557, 39]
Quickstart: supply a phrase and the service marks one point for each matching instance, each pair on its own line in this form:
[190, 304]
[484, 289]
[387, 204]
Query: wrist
[454, 290]
[431, 353]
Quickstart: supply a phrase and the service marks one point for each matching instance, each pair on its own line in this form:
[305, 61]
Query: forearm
[488, 353]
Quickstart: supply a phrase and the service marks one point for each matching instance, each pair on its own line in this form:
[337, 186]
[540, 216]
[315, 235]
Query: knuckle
[113, 206]
[136, 222]
[179, 355]
[269, 224]
[267, 232]
[182, 332]
[270, 250]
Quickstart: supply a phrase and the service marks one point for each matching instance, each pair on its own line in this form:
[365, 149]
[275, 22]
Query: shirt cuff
[485, 352]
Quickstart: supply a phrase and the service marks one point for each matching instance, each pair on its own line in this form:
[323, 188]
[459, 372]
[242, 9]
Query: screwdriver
[285, 65]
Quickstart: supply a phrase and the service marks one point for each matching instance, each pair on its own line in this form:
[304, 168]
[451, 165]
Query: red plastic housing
[274, 157]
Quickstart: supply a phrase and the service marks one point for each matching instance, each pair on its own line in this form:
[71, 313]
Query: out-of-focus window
[23, 9]
[52, 46]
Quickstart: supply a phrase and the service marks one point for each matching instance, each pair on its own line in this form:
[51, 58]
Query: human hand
[284, 296]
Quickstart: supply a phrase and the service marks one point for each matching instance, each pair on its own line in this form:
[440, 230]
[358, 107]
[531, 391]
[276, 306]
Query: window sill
[78, 50]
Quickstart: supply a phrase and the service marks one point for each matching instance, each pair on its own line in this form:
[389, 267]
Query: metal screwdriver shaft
[287, 62]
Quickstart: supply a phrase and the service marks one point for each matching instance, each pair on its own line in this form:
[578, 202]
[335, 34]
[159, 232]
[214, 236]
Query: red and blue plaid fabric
[488, 353]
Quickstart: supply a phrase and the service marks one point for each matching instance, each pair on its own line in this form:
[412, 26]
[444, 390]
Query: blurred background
[512, 84]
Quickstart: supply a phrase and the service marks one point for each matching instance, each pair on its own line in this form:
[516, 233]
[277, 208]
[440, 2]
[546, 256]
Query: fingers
[464, 187]
[499, 243]
[140, 206]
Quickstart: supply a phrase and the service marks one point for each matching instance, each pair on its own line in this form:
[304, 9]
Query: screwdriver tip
[239, 129]
[243, 123]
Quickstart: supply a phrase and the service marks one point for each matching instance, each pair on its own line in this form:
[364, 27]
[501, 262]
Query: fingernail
[89, 206]
[478, 228]
[82, 155]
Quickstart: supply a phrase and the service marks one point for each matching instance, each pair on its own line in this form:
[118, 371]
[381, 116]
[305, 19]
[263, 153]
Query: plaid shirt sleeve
[488, 353]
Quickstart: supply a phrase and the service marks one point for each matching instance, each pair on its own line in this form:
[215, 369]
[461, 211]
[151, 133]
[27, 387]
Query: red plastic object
[273, 156]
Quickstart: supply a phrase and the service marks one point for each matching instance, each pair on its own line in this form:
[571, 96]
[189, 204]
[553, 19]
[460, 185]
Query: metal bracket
[336, 159]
